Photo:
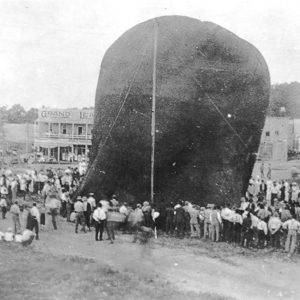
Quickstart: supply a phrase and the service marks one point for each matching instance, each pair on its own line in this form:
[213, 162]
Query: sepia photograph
[149, 150]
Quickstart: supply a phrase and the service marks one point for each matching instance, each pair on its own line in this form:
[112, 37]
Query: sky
[51, 50]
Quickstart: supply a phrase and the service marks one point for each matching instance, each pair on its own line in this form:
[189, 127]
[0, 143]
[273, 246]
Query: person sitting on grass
[8, 235]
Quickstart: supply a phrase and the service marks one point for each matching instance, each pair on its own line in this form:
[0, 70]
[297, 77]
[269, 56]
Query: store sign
[86, 115]
[63, 115]
[56, 114]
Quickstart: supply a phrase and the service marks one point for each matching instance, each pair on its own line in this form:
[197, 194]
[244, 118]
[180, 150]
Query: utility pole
[153, 112]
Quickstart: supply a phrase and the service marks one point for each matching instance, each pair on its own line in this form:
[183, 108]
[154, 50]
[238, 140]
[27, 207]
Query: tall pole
[153, 112]
[26, 140]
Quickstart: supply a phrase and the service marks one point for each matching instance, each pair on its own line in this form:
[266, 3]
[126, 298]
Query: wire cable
[209, 98]
[102, 145]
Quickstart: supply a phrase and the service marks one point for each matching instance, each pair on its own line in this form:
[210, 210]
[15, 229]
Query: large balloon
[212, 92]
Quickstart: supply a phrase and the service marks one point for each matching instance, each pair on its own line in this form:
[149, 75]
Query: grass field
[63, 265]
[19, 133]
[29, 274]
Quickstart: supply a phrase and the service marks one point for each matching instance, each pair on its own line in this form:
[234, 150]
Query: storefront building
[274, 141]
[63, 134]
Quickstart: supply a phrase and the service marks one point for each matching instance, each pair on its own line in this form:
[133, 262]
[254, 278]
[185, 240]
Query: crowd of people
[37, 192]
[267, 216]
[26, 184]
[50, 194]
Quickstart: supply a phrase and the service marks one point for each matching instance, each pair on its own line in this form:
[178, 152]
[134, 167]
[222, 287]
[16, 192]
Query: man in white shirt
[262, 233]
[237, 221]
[35, 219]
[3, 206]
[99, 216]
[105, 204]
[87, 211]
[125, 213]
[63, 199]
[3, 190]
[274, 226]
[244, 204]
[15, 213]
[294, 192]
[216, 222]
[274, 192]
[54, 205]
[226, 214]
[123, 209]
[293, 227]
[14, 189]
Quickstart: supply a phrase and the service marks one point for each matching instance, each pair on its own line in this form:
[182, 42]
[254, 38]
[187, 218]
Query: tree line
[18, 114]
[285, 95]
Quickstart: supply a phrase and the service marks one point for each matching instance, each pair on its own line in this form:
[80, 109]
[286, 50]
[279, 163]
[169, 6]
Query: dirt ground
[174, 269]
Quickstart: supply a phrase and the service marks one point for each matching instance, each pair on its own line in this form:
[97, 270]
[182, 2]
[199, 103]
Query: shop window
[64, 129]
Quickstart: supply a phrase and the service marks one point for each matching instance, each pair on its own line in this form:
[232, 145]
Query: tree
[285, 95]
[31, 115]
[16, 114]
[3, 113]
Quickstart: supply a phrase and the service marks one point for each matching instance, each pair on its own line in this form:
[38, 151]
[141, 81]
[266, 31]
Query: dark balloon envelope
[211, 99]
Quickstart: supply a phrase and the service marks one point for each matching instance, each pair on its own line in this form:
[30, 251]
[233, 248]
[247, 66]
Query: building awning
[52, 147]
[58, 143]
